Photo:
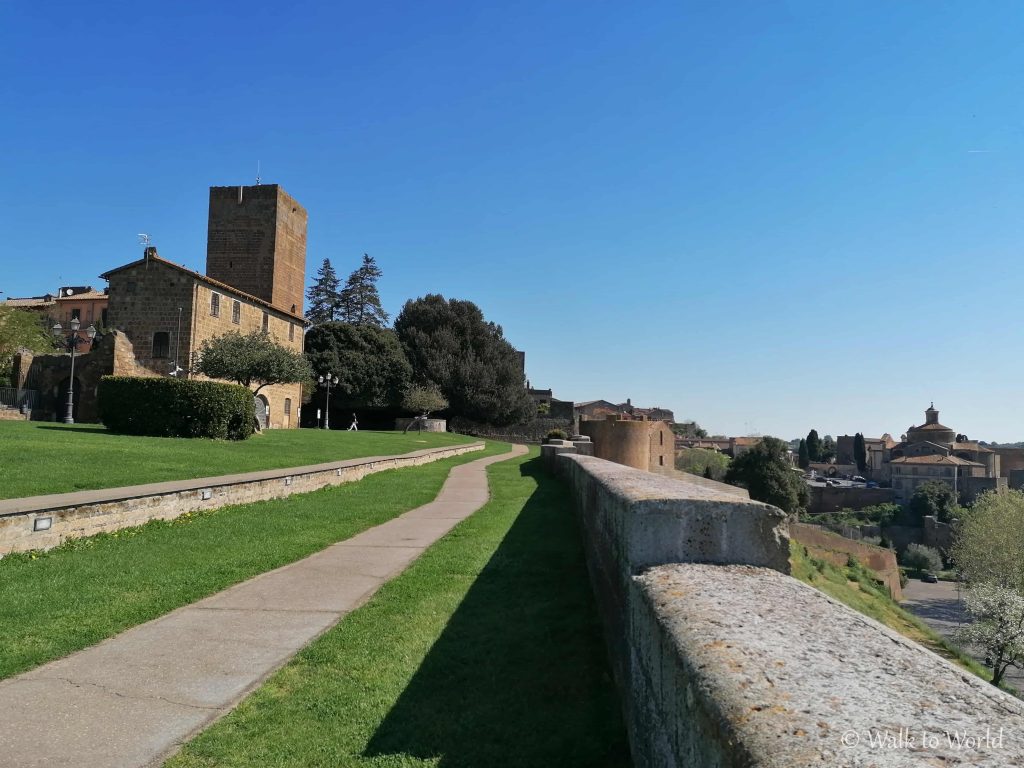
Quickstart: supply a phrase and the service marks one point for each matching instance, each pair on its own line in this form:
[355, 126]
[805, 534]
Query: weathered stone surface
[734, 665]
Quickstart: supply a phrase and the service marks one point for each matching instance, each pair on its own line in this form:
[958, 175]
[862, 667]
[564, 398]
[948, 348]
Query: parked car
[929, 578]
[858, 479]
[872, 484]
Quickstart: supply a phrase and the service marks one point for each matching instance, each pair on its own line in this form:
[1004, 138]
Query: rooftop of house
[152, 256]
[971, 445]
[934, 459]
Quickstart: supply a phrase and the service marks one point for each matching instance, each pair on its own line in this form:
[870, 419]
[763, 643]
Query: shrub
[922, 558]
[556, 434]
[165, 407]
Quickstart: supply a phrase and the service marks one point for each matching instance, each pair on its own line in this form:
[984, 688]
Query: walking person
[354, 426]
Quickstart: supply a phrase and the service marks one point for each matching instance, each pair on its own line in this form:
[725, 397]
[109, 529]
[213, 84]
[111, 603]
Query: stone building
[933, 451]
[256, 278]
[641, 444]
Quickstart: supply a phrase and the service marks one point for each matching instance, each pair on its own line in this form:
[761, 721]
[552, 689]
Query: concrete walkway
[133, 699]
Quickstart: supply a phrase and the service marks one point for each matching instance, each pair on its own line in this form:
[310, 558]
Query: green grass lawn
[487, 651]
[56, 602]
[37, 458]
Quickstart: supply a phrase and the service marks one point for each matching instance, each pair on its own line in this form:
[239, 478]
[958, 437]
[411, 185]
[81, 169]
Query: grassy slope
[856, 588]
[37, 458]
[56, 602]
[487, 651]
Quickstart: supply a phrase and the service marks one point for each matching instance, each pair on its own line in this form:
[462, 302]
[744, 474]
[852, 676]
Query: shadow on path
[519, 677]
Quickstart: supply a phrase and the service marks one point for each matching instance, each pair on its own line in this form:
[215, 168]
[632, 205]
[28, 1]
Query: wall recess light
[206, 494]
[42, 523]
[287, 481]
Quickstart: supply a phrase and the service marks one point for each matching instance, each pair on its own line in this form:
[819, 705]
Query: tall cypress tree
[860, 452]
[360, 302]
[813, 446]
[803, 458]
[323, 295]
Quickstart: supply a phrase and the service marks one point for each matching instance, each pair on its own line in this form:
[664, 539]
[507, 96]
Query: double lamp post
[71, 342]
[327, 379]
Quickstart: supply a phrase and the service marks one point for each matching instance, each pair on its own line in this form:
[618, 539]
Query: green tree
[359, 302]
[860, 453]
[422, 401]
[921, 558]
[371, 367]
[252, 360]
[828, 449]
[765, 472]
[813, 445]
[989, 543]
[934, 498]
[700, 461]
[453, 348]
[21, 329]
[803, 457]
[323, 296]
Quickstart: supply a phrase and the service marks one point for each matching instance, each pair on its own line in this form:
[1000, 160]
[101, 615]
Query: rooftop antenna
[145, 240]
[257, 173]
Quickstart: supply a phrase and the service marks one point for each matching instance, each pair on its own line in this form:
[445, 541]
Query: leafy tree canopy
[803, 456]
[359, 302]
[933, 498]
[860, 453]
[767, 475]
[813, 445]
[452, 347]
[700, 461]
[323, 296]
[252, 360]
[21, 329]
[371, 367]
[989, 544]
[998, 626]
[423, 400]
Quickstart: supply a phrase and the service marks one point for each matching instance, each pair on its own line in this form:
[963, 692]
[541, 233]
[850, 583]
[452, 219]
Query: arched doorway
[262, 411]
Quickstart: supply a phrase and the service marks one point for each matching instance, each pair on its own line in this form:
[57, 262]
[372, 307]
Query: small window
[291, 331]
[266, 322]
[215, 304]
[103, 315]
[161, 344]
[661, 438]
[236, 312]
[287, 406]
[76, 314]
[661, 461]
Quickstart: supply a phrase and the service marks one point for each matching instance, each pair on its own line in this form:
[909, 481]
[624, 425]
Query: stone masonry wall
[826, 545]
[722, 659]
[86, 513]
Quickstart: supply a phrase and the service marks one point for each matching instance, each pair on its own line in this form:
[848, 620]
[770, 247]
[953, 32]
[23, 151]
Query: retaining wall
[43, 522]
[835, 548]
[722, 659]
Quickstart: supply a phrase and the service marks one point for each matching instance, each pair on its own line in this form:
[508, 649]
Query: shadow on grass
[76, 429]
[519, 677]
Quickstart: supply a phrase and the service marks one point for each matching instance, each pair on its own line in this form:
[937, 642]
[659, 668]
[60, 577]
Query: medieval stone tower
[256, 242]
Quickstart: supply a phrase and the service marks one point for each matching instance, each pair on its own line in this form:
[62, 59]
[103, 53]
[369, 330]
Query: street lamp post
[71, 342]
[327, 380]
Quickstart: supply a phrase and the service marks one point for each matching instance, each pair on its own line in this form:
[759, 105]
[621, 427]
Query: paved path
[939, 606]
[133, 699]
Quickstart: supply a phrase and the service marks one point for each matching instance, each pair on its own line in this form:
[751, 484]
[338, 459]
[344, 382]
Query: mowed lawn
[38, 458]
[53, 603]
[487, 651]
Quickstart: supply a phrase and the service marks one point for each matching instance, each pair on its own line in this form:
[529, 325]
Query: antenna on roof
[145, 240]
[257, 173]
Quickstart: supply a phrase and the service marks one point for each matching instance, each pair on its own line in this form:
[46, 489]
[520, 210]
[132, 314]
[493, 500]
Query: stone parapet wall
[723, 659]
[73, 515]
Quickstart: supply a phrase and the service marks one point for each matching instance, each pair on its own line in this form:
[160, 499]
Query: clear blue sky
[767, 216]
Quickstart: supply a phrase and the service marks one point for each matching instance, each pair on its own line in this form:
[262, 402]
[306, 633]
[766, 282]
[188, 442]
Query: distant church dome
[931, 431]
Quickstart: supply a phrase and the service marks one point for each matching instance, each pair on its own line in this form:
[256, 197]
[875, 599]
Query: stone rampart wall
[836, 549]
[74, 515]
[723, 659]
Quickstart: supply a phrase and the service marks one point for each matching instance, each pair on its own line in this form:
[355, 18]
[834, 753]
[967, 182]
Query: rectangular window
[291, 331]
[215, 304]
[161, 344]
[236, 312]
[266, 322]
[76, 314]
[287, 406]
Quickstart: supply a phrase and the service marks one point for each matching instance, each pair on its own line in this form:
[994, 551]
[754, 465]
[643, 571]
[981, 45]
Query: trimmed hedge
[166, 407]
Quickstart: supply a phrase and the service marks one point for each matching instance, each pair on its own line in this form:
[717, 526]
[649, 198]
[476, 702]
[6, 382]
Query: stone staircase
[12, 414]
